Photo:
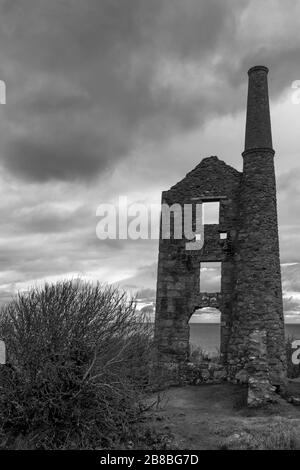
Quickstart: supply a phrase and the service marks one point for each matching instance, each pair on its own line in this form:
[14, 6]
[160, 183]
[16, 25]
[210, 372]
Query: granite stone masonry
[245, 242]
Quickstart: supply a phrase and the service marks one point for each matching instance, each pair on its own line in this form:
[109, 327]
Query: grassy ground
[215, 417]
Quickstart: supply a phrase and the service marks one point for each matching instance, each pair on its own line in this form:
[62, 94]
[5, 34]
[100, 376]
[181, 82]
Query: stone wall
[206, 372]
[178, 282]
[258, 293]
[260, 390]
[251, 294]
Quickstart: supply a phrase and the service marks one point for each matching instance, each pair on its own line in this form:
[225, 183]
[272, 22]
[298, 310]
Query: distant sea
[207, 335]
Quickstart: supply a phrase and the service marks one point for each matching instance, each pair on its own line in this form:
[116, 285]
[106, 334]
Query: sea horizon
[207, 335]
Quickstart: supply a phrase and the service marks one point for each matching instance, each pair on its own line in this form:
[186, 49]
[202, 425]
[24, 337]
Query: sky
[110, 98]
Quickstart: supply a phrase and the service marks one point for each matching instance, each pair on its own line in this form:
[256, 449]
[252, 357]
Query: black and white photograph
[149, 229]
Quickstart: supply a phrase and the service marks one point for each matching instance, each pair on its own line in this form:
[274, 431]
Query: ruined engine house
[245, 242]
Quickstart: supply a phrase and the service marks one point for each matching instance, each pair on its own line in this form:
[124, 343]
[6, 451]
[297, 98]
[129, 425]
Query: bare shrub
[78, 357]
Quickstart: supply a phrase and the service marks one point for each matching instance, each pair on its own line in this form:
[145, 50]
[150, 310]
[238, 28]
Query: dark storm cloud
[57, 100]
[65, 156]
[43, 219]
[82, 78]
[96, 71]
[114, 88]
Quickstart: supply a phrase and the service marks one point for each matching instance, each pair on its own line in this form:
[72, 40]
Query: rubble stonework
[260, 389]
[251, 293]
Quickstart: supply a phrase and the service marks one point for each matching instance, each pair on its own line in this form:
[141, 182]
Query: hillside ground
[216, 417]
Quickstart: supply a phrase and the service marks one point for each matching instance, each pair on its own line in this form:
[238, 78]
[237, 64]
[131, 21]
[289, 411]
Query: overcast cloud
[124, 97]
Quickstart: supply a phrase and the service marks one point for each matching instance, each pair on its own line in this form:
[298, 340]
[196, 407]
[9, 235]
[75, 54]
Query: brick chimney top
[258, 122]
[258, 67]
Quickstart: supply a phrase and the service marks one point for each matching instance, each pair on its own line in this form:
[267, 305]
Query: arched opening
[205, 334]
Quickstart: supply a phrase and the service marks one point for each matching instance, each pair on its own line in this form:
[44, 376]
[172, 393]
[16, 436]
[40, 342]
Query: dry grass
[265, 433]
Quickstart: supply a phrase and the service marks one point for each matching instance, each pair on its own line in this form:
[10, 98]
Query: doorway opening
[205, 334]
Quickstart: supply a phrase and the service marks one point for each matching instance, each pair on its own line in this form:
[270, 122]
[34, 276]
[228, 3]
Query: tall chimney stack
[258, 290]
[258, 122]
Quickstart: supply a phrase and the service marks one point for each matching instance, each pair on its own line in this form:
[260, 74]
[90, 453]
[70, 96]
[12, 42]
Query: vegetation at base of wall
[293, 370]
[77, 369]
[198, 355]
